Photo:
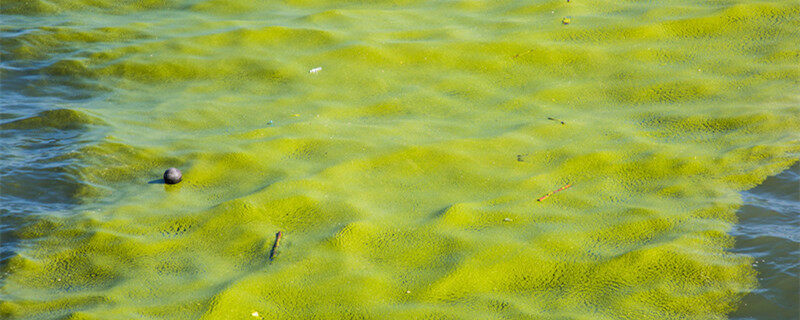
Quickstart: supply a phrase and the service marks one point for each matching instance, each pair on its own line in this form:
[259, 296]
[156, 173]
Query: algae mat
[404, 174]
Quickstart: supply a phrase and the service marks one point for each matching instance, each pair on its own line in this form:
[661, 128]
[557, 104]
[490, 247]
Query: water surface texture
[769, 230]
[401, 147]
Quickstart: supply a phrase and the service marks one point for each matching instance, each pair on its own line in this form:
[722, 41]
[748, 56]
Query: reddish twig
[522, 54]
[553, 192]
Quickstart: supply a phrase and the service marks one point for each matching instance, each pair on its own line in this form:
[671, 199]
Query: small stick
[553, 192]
[274, 250]
[522, 54]
[554, 119]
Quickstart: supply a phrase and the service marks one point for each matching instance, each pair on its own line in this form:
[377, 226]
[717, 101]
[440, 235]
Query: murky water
[400, 148]
[769, 231]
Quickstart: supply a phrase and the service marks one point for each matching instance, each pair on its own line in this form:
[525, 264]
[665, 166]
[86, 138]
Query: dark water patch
[40, 7]
[40, 126]
[30, 83]
[768, 229]
[52, 60]
[33, 164]
[35, 177]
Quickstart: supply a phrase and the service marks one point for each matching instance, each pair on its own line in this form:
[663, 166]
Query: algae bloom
[404, 177]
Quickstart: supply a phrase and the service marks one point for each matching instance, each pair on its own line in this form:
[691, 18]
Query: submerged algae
[396, 175]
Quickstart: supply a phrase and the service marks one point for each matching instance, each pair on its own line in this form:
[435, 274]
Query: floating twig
[522, 54]
[553, 192]
[274, 250]
[554, 119]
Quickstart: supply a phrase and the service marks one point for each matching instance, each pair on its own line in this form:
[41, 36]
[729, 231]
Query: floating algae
[394, 179]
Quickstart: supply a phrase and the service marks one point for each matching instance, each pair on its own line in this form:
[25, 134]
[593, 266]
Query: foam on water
[404, 174]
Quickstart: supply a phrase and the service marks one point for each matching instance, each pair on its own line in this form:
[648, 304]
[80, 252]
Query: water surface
[404, 174]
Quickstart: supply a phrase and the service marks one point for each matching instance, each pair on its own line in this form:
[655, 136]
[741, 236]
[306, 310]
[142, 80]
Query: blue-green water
[768, 230]
[401, 148]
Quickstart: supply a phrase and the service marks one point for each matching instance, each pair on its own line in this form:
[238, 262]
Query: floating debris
[521, 157]
[507, 219]
[275, 245]
[522, 54]
[566, 20]
[269, 123]
[255, 314]
[553, 192]
[554, 119]
[172, 176]
[315, 70]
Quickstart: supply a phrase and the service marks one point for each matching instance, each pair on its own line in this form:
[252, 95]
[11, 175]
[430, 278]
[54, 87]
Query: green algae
[393, 172]
[58, 119]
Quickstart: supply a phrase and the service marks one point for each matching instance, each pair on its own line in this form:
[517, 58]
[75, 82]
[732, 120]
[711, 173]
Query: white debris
[255, 314]
[315, 70]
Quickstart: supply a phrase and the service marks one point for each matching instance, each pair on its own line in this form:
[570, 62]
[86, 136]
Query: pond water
[404, 150]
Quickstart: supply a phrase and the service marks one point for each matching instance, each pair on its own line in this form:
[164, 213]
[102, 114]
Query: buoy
[172, 176]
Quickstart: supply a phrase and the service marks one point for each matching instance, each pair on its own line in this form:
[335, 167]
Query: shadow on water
[156, 181]
[769, 231]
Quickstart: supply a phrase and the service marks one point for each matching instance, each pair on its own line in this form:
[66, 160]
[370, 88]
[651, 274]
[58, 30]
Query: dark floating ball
[172, 176]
